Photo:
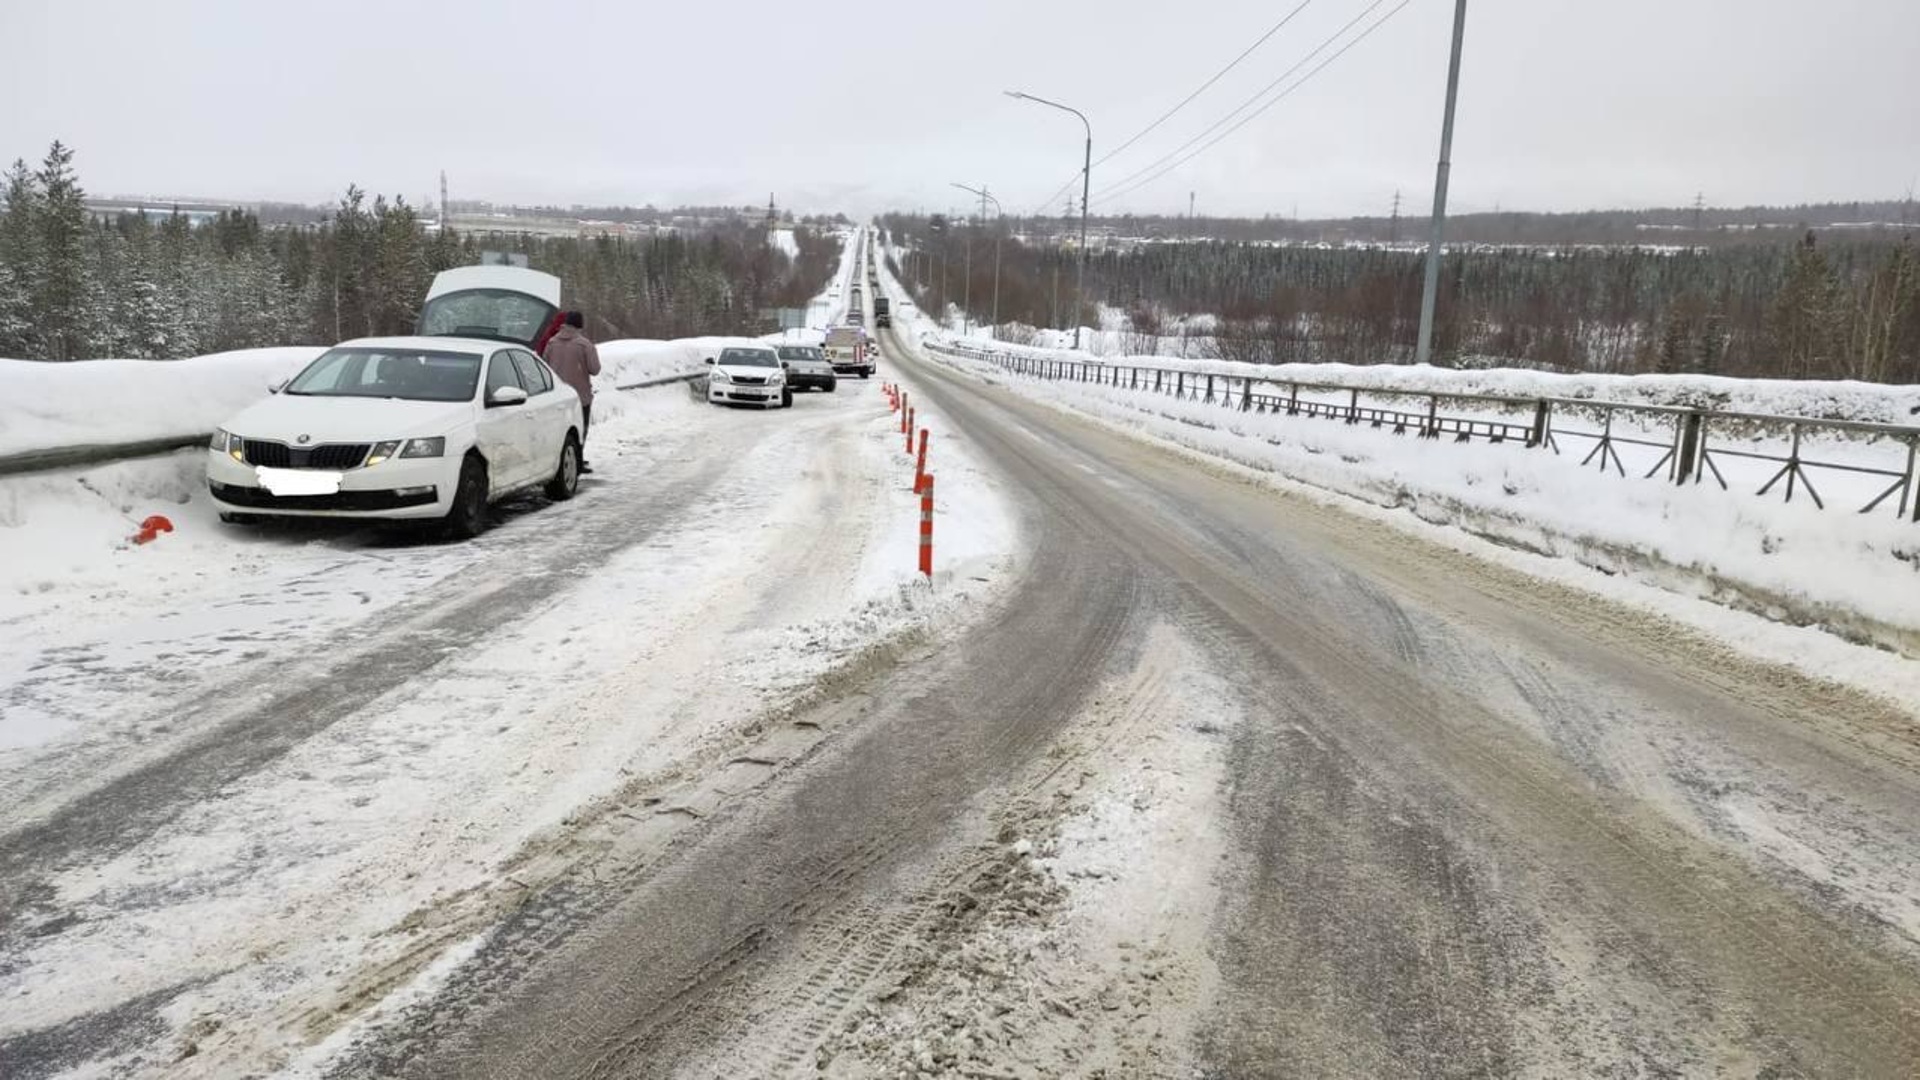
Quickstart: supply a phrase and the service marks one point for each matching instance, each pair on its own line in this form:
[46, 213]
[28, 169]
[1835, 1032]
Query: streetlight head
[1013, 93]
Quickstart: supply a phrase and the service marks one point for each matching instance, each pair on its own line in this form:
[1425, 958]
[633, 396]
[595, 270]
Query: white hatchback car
[425, 427]
[748, 375]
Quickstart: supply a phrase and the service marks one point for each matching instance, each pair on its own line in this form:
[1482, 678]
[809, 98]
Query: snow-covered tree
[19, 263]
[61, 294]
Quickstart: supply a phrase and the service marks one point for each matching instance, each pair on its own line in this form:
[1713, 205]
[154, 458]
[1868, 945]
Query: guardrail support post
[1687, 465]
[1353, 406]
[1209, 389]
[1156, 379]
[1431, 429]
[1293, 399]
[1246, 396]
[1542, 423]
[1179, 384]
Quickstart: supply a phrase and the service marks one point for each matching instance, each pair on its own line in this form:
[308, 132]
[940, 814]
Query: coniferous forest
[1780, 303]
[75, 286]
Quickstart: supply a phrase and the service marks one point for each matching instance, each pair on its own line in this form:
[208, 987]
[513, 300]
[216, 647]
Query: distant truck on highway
[882, 313]
[849, 352]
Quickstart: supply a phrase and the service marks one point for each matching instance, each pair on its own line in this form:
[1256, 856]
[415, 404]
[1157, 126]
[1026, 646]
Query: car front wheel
[786, 399]
[467, 517]
[566, 478]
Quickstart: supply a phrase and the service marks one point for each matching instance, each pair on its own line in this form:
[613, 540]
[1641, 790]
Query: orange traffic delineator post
[909, 430]
[926, 526]
[920, 466]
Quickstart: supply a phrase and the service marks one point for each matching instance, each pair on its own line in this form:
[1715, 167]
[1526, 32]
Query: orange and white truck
[849, 351]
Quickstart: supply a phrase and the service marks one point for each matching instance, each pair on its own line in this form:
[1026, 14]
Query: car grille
[253, 498]
[750, 380]
[277, 455]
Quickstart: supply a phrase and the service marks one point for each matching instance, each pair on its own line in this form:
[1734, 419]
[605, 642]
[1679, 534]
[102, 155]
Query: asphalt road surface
[1472, 824]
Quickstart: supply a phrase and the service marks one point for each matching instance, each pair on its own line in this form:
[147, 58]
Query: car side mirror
[507, 395]
[709, 359]
[786, 365]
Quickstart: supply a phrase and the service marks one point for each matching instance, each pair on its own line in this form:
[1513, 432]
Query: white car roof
[480, 346]
[535, 283]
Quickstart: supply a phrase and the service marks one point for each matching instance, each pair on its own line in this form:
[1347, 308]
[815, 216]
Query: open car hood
[498, 303]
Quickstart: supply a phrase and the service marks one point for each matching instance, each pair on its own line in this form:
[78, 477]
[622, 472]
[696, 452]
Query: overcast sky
[857, 105]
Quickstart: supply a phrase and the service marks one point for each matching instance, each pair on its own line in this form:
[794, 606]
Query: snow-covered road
[259, 780]
[1173, 771]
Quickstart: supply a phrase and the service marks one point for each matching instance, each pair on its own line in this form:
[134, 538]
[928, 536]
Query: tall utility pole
[444, 219]
[1190, 196]
[1393, 226]
[1056, 295]
[1086, 195]
[1699, 208]
[999, 222]
[1423, 352]
[966, 287]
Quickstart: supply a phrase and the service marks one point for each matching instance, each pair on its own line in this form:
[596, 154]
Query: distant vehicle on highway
[882, 315]
[807, 368]
[748, 375]
[433, 426]
[849, 352]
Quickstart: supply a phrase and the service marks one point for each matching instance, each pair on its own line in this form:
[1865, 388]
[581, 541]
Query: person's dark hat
[576, 320]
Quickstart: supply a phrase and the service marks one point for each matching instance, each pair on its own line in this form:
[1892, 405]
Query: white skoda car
[421, 428]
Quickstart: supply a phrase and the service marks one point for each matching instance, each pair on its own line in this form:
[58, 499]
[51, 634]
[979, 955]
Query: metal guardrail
[664, 380]
[68, 457]
[84, 455]
[1688, 455]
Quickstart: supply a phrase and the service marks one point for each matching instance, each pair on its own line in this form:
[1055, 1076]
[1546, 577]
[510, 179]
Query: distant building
[158, 210]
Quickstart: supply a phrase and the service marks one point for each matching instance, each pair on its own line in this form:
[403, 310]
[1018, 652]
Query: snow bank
[626, 361]
[46, 405]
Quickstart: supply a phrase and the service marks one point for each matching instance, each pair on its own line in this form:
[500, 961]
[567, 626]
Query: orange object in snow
[151, 528]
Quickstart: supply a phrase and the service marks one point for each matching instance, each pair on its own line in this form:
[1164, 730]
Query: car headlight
[226, 442]
[718, 376]
[419, 448]
[382, 451]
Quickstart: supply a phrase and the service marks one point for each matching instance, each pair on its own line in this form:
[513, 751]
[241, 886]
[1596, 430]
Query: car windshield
[499, 314]
[409, 374]
[749, 358]
[799, 352]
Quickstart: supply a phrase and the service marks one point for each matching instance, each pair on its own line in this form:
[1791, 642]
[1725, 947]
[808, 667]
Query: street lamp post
[999, 218]
[1086, 190]
[1430, 290]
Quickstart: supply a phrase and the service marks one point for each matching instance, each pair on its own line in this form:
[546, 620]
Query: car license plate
[297, 481]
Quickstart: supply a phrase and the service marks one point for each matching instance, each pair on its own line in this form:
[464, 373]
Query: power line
[1188, 100]
[1304, 79]
[1243, 106]
[1217, 76]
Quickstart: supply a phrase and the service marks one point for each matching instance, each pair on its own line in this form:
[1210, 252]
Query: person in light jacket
[576, 361]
